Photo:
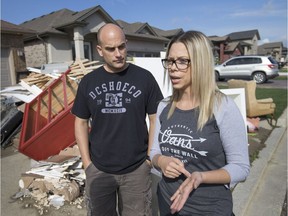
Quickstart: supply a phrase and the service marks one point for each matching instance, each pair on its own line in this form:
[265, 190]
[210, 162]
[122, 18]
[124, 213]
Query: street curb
[244, 192]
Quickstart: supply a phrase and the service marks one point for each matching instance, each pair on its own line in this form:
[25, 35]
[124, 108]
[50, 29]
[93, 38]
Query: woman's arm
[234, 140]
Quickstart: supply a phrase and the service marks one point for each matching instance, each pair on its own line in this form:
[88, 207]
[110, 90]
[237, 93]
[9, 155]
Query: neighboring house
[248, 40]
[219, 44]
[169, 34]
[235, 44]
[12, 52]
[66, 35]
[143, 39]
[233, 49]
[224, 49]
[274, 49]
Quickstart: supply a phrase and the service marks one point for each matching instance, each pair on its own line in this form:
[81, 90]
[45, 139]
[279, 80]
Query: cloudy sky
[209, 16]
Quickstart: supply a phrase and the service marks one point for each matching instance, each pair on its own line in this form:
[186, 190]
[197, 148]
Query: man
[117, 97]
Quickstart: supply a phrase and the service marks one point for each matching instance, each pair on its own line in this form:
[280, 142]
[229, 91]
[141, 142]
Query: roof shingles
[244, 35]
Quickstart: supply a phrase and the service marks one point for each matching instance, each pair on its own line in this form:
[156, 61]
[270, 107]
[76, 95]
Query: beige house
[247, 39]
[66, 35]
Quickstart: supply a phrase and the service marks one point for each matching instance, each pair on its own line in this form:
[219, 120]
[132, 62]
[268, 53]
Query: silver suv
[258, 68]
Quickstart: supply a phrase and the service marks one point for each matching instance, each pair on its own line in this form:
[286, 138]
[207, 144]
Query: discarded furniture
[48, 125]
[254, 107]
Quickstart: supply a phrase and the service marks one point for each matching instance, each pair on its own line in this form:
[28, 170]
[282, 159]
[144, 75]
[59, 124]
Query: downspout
[45, 47]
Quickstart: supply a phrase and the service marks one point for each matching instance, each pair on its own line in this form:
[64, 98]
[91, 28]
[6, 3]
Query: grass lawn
[279, 97]
[281, 78]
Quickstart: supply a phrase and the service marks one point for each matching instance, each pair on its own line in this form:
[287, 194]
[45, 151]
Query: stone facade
[36, 53]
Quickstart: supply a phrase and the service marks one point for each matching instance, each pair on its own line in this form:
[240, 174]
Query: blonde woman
[200, 144]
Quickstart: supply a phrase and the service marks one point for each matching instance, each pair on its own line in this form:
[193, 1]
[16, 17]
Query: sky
[211, 17]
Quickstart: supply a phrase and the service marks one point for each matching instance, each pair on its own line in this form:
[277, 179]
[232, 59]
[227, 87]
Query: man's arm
[81, 135]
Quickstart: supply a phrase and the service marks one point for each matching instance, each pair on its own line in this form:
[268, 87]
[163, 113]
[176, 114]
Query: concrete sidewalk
[264, 191]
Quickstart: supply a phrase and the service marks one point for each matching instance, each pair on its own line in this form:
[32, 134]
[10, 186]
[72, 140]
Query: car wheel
[259, 77]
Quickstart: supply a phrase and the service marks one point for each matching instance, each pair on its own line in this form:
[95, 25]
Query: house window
[87, 51]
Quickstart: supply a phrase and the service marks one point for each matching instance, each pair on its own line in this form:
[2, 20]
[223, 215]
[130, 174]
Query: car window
[247, 61]
[273, 61]
[234, 62]
[256, 60]
[243, 61]
[252, 60]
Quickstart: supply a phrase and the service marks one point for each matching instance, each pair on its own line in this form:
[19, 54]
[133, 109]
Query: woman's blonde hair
[203, 84]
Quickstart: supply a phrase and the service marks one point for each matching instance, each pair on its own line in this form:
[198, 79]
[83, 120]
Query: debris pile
[60, 178]
[54, 181]
[43, 78]
[11, 119]
[39, 79]
[41, 134]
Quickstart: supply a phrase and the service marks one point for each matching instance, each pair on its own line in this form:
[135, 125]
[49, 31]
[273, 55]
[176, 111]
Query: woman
[200, 142]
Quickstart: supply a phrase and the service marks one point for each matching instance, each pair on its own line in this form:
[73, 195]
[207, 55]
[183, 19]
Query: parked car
[258, 68]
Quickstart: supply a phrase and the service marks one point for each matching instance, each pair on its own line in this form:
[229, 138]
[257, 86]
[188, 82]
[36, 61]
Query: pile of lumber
[38, 79]
[82, 67]
[37, 82]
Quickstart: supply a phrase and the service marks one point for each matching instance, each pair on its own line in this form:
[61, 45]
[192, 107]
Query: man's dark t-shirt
[117, 104]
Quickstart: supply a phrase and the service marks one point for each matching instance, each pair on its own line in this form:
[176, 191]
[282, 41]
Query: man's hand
[86, 164]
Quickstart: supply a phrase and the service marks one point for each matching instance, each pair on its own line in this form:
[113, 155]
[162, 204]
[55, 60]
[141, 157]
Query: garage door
[5, 68]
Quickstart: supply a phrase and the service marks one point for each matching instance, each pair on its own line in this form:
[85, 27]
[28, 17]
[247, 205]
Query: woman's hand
[172, 167]
[181, 195]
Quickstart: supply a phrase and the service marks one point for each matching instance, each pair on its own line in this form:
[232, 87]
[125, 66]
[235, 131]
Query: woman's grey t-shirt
[208, 149]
